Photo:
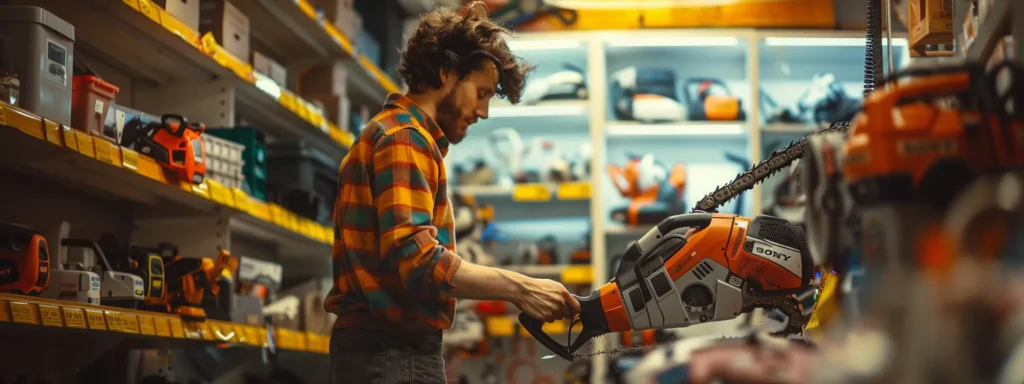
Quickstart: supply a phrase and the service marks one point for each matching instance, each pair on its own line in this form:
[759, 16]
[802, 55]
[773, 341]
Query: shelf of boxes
[151, 44]
[72, 157]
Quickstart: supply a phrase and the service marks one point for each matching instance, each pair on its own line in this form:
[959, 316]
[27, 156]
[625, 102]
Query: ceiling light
[675, 42]
[542, 45]
[825, 42]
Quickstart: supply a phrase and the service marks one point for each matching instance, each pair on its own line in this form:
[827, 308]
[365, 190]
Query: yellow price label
[152, 11]
[115, 321]
[74, 318]
[131, 323]
[52, 130]
[531, 192]
[69, 139]
[25, 313]
[129, 159]
[132, 3]
[574, 191]
[3, 119]
[162, 327]
[51, 316]
[96, 320]
[85, 146]
[205, 332]
[177, 329]
[146, 325]
[104, 152]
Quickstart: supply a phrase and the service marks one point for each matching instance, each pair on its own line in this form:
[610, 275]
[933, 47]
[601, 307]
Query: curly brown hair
[444, 38]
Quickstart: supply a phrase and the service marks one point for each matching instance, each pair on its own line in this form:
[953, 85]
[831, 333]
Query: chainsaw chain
[778, 160]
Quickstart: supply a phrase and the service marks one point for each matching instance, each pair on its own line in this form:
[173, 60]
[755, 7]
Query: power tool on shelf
[174, 142]
[710, 100]
[655, 190]
[190, 281]
[140, 261]
[81, 264]
[24, 260]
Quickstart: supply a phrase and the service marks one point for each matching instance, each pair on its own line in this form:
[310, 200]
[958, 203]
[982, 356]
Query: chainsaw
[702, 267]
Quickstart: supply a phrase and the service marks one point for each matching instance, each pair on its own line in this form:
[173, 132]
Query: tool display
[568, 83]
[655, 190]
[191, 282]
[174, 142]
[41, 50]
[646, 94]
[709, 99]
[81, 264]
[139, 261]
[728, 266]
[24, 260]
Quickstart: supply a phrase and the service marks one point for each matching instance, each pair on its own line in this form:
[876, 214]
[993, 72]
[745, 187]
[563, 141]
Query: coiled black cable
[873, 47]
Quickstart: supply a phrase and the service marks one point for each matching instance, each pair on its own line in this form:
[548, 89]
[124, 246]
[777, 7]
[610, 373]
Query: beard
[448, 118]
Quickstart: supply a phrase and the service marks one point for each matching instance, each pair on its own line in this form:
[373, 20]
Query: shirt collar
[404, 102]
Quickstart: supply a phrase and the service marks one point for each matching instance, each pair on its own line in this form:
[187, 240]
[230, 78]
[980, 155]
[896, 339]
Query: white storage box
[224, 161]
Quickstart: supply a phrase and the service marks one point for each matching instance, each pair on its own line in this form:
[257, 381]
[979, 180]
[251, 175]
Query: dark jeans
[362, 356]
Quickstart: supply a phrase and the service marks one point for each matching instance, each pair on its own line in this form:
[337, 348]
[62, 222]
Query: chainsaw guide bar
[745, 181]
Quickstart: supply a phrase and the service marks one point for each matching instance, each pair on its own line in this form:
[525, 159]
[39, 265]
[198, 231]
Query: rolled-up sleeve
[404, 187]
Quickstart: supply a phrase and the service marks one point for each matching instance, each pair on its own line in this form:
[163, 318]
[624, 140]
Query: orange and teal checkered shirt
[394, 245]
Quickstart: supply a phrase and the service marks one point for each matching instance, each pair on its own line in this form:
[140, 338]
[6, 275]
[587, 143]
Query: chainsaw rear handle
[591, 316]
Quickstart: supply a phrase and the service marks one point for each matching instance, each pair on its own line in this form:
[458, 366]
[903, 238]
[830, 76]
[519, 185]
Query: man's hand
[546, 300]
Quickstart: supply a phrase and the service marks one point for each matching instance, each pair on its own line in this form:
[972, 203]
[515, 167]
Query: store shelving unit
[780, 62]
[162, 65]
[101, 187]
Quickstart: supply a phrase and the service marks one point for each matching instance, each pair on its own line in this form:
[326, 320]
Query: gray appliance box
[39, 48]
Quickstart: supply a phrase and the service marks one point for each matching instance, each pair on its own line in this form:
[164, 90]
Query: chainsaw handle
[535, 327]
[696, 220]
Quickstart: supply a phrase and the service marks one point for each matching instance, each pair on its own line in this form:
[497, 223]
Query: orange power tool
[729, 265]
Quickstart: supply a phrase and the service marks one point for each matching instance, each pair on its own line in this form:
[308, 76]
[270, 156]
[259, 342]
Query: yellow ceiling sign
[696, 14]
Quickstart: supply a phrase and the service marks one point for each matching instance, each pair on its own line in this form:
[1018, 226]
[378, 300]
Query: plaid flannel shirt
[394, 244]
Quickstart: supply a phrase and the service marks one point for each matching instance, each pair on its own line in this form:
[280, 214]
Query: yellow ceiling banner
[603, 14]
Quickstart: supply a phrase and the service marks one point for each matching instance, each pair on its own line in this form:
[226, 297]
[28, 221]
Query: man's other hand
[546, 300]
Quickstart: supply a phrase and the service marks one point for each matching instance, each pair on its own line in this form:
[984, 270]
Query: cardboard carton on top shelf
[185, 10]
[337, 108]
[326, 79]
[228, 24]
[267, 66]
[931, 22]
[342, 14]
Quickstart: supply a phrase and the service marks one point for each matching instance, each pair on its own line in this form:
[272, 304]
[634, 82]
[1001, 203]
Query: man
[396, 270]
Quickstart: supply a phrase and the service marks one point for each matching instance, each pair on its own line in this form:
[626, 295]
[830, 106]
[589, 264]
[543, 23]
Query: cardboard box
[267, 66]
[185, 10]
[337, 108]
[328, 79]
[342, 14]
[931, 22]
[228, 24]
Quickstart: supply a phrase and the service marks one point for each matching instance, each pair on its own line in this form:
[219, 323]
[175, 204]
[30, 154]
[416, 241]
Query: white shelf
[634, 129]
[790, 128]
[503, 109]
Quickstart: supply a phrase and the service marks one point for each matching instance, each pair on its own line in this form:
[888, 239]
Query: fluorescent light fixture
[675, 42]
[542, 45]
[682, 129]
[536, 110]
[825, 42]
